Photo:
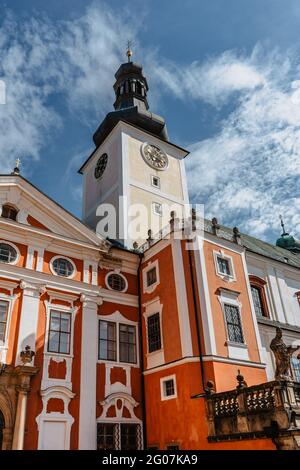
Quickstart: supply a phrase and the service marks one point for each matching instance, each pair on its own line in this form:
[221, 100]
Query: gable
[37, 210]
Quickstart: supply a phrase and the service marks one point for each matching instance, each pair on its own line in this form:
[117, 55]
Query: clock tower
[135, 176]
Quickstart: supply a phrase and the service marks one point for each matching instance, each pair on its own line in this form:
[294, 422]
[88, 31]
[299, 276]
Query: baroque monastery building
[132, 342]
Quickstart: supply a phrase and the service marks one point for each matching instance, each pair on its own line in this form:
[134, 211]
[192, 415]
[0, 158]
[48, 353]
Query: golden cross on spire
[129, 50]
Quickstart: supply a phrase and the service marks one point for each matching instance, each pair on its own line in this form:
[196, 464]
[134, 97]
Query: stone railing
[269, 410]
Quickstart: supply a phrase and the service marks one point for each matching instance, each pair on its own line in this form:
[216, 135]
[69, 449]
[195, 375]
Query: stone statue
[27, 355]
[282, 354]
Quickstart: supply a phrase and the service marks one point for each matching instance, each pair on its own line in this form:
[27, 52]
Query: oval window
[63, 267]
[116, 282]
[8, 254]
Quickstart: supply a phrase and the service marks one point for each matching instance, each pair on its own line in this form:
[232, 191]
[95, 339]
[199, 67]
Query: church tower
[134, 167]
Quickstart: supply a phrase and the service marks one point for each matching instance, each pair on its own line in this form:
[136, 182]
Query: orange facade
[124, 342]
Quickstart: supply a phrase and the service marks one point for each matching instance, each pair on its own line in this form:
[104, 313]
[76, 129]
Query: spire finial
[17, 167]
[282, 225]
[129, 50]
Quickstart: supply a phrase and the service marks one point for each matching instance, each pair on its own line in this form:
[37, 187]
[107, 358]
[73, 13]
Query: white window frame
[10, 299]
[116, 271]
[235, 350]
[159, 214]
[162, 388]
[17, 250]
[66, 258]
[64, 309]
[223, 255]
[154, 358]
[149, 289]
[118, 319]
[152, 181]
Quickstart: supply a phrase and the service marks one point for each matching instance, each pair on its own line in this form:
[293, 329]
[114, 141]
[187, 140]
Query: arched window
[139, 88]
[9, 212]
[2, 426]
[259, 296]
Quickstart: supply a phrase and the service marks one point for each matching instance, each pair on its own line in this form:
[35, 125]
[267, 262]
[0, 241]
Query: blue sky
[224, 73]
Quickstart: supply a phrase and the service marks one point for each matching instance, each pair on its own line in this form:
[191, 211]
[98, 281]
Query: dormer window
[9, 212]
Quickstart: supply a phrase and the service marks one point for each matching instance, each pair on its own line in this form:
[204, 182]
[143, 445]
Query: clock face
[101, 165]
[154, 156]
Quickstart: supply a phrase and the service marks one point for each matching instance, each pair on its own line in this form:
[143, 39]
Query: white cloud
[249, 172]
[74, 60]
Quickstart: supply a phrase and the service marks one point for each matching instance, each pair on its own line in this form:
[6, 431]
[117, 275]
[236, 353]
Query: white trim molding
[226, 277]
[53, 417]
[150, 265]
[163, 380]
[71, 276]
[9, 243]
[155, 358]
[118, 272]
[235, 350]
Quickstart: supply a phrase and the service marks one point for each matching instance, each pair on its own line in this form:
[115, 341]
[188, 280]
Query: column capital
[32, 289]
[91, 300]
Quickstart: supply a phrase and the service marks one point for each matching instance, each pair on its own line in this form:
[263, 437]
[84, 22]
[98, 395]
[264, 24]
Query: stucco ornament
[27, 355]
[282, 354]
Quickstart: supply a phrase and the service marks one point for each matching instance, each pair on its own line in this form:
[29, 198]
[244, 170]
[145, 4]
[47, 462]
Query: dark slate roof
[257, 246]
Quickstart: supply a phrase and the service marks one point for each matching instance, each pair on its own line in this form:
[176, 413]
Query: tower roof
[287, 241]
[131, 104]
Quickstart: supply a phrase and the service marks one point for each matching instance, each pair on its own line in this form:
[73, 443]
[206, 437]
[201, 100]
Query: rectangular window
[169, 388]
[155, 181]
[127, 338]
[106, 436]
[295, 363]
[119, 436]
[107, 341]
[3, 319]
[151, 277]
[223, 266]
[157, 208]
[233, 320]
[257, 301]
[154, 337]
[130, 436]
[59, 332]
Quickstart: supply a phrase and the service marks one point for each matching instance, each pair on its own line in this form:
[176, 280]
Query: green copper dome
[286, 241]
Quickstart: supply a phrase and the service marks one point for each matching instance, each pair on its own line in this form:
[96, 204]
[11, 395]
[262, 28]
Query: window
[256, 296]
[119, 436]
[129, 436]
[63, 267]
[154, 336]
[233, 321]
[3, 319]
[155, 181]
[259, 296]
[106, 436]
[157, 208]
[295, 363]
[127, 343]
[107, 341]
[173, 447]
[169, 388]
[59, 332]
[9, 212]
[151, 276]
[223, 266]
[116, 282]
[8, 254]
